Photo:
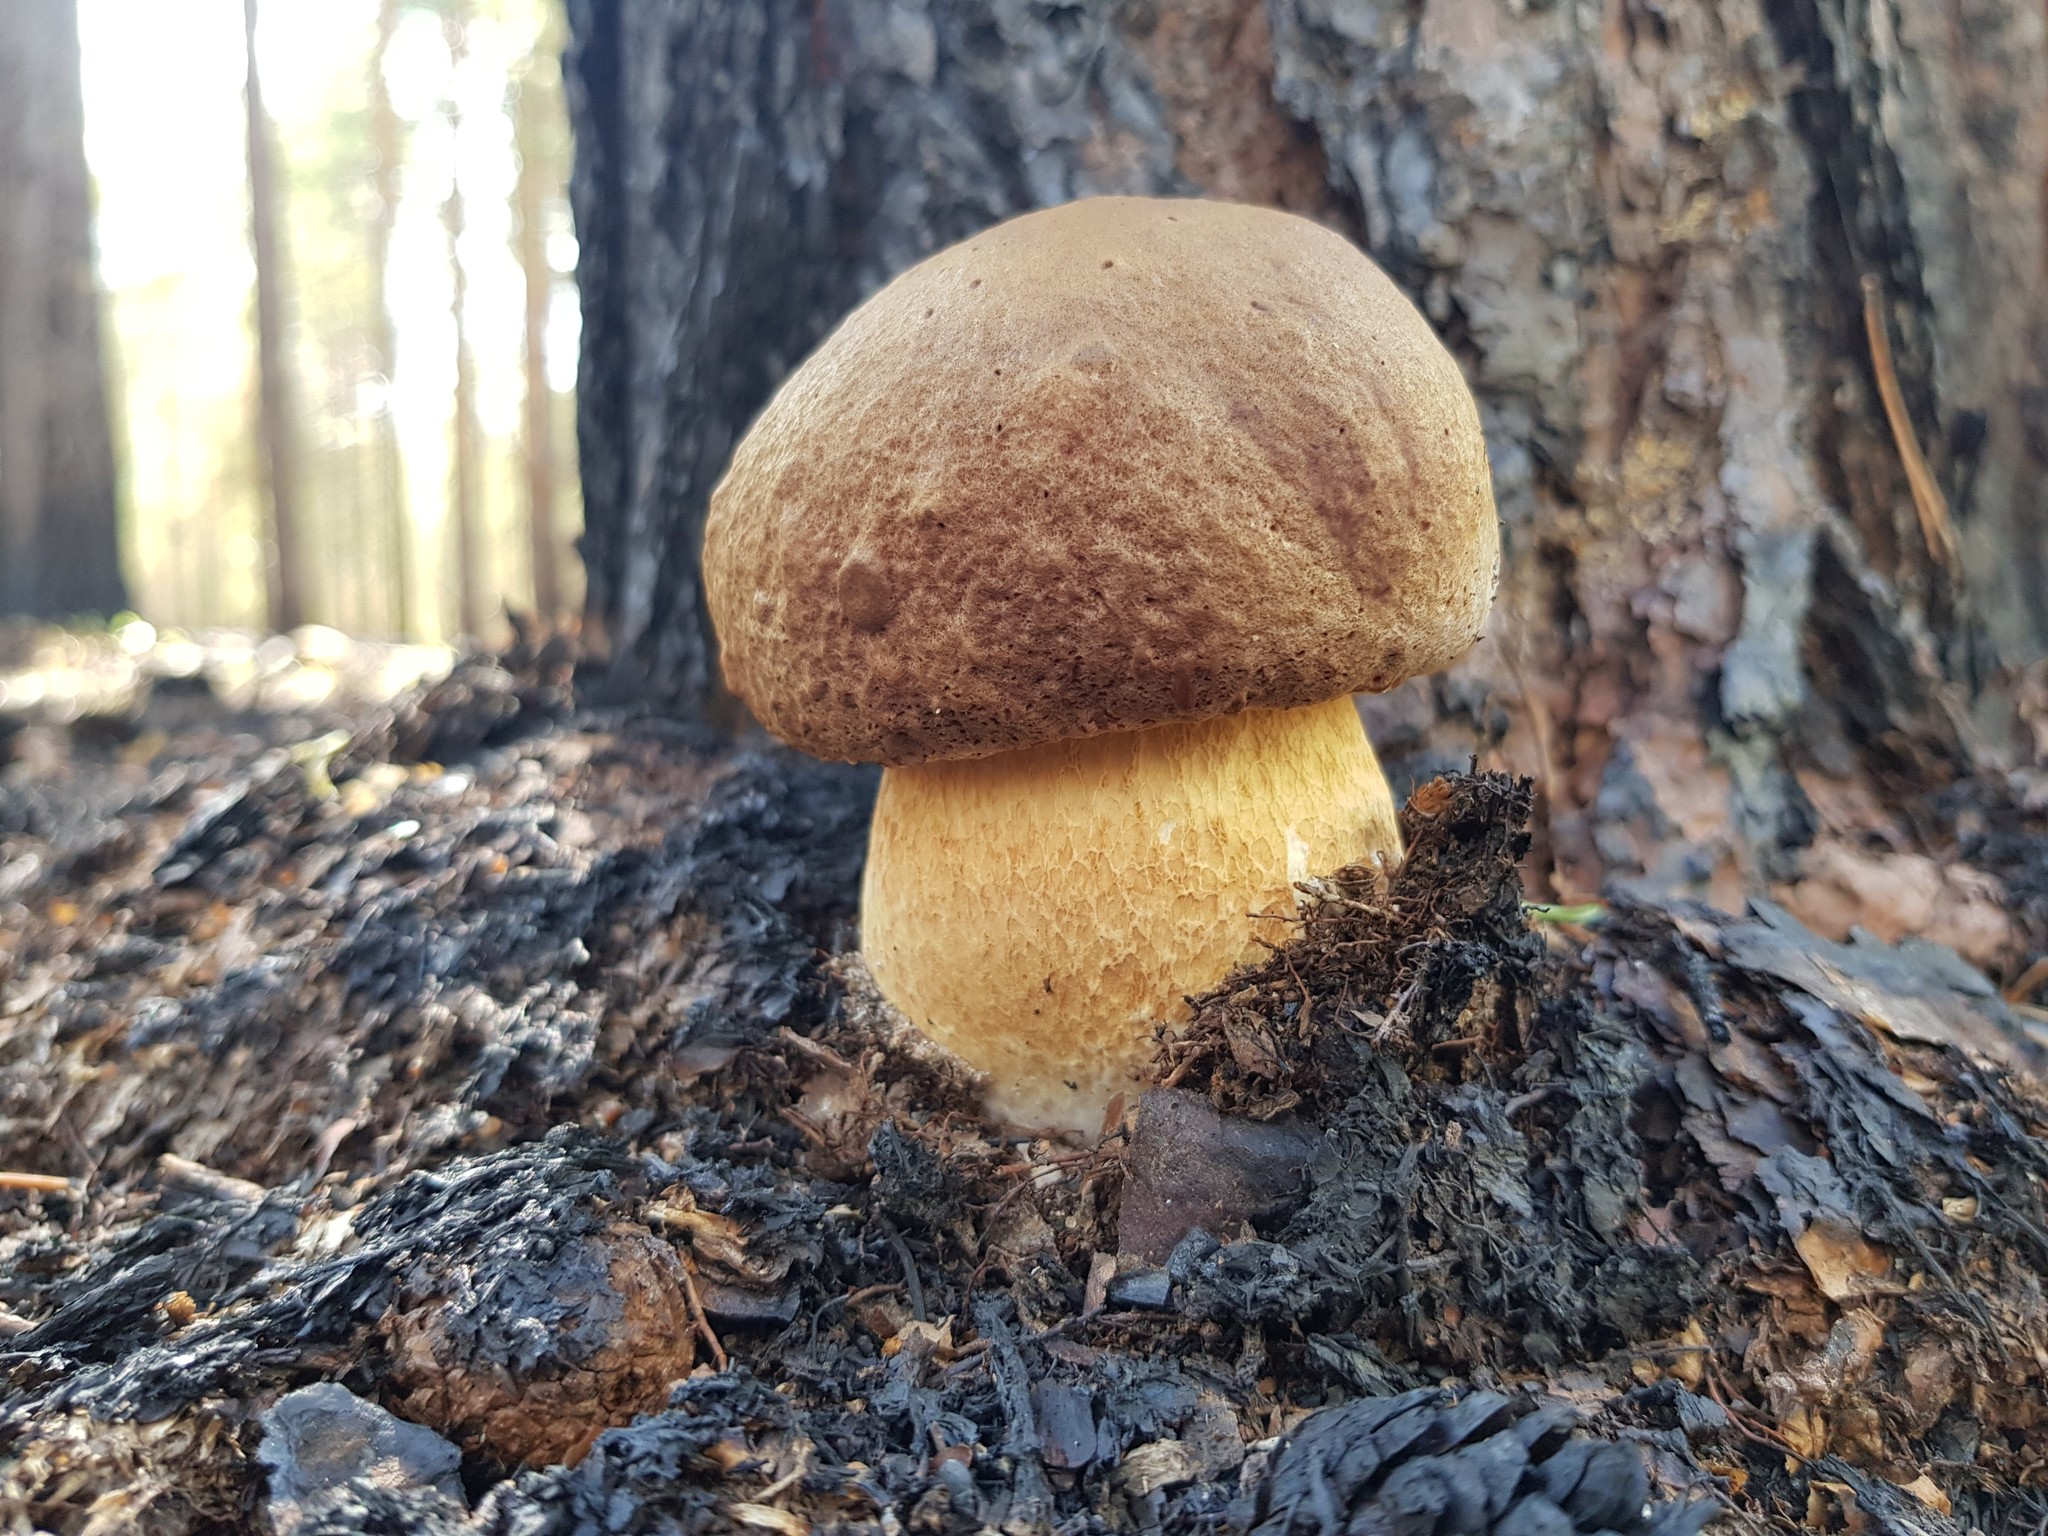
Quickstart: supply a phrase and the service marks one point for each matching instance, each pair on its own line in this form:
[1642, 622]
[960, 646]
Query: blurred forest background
[1751, 297]
[338, 315]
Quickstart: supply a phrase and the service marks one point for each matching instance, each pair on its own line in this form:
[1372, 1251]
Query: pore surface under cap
[1117, 463]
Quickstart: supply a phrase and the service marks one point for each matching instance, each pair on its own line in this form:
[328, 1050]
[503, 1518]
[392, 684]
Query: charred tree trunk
[59, 553]
[277, 426]
[1771, 547]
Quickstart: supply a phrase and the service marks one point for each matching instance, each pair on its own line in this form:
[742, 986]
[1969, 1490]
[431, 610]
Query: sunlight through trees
[420, 161]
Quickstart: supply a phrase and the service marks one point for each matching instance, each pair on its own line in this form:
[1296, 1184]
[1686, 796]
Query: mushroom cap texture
[1116, 463]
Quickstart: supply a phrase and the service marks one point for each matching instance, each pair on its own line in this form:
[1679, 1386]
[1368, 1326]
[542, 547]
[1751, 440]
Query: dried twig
[35, 1183]
[911, 1282]
[1748, 1428]
[182, 1173]
[2028, 982]
[823, 1055]
[702, 1322]
[1928, 503]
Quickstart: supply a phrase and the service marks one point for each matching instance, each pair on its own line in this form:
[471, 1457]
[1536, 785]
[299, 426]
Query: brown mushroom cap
[1113, 464]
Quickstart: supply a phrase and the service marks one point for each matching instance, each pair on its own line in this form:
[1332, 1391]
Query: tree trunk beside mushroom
[1752, 298]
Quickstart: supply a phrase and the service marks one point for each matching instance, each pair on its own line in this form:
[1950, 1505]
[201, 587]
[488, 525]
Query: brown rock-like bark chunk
[536, 1385]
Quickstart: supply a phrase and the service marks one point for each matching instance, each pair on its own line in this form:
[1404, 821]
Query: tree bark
[467, 435]
[538, 179]
[1730, 627]
[59, 547]
[387, 143]
[277, 425]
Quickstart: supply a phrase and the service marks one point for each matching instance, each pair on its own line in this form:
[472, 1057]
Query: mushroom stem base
[1039, 912]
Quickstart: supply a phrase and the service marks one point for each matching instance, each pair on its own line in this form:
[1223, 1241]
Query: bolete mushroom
[1088, 528]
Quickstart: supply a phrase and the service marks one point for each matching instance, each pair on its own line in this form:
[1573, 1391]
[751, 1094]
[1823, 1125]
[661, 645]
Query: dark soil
[470, 1117]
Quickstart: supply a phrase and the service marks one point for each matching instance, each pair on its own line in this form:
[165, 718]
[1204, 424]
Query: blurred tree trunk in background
[59, 550]
[276, 424]
[1731, 642]
[537, 168]
[467, 456]
[387, 143]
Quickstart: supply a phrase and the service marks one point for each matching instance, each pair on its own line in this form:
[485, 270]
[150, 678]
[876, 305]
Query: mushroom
[1088, 528]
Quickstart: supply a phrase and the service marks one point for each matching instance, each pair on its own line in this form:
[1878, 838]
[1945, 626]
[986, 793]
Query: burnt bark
[1731, 625]
[59, 551]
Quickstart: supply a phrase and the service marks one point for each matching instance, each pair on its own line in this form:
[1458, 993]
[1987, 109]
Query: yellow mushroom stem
[1038, 912]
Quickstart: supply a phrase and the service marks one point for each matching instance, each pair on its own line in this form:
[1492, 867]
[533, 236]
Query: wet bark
[59, 554]
[1736, 633]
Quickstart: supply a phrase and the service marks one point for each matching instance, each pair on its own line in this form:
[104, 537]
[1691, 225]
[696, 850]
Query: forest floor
[444, 1109]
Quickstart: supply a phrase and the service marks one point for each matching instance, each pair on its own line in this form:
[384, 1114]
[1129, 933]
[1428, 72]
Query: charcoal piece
[1362, 1365]
[1189, 1166]
[113, 1307]
[951, 1507]
[911, 1185]
[1188, 1256]
[1920, 991]
[1669, 1405]
[1253, 1280]
[320, 1438]
[958, 1481]
[1702, 1418]
[747, 1307]
[1144, 1289]
[506, 1209]
[268, 802]
[1882, 1507]
[480, 704]
[1066, 1424]
[1012, 1380]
